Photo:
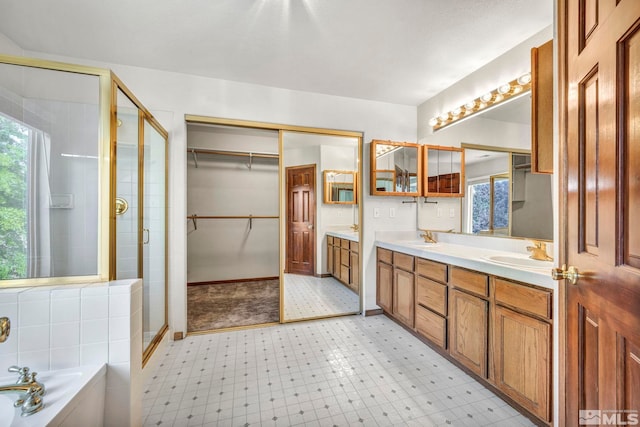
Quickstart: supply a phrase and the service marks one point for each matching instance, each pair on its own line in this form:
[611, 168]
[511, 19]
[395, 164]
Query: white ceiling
[397, 51]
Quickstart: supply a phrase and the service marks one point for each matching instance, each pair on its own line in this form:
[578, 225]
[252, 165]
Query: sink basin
[420, 245]
[521, 262]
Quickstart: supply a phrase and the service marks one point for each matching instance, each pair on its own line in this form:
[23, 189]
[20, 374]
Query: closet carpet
[227, 305]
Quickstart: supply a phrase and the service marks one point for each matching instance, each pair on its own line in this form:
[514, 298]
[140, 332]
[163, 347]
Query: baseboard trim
[323, 275]
[216, 282]
[373, 312]
[177, 336]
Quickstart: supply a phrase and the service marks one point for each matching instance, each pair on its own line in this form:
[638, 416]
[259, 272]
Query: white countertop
[474, 258]
[344, 234]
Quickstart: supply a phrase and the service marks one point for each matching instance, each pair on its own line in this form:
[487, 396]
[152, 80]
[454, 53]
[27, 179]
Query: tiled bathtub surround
[342, 371]
[74, 325]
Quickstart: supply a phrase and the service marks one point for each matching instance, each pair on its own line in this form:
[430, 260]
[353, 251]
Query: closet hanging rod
[233, 153]
[232, 217]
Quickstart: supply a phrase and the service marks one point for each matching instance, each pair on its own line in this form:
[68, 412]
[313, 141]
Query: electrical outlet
[439, 212]
[376, 212]
[452, 212]
[392, 212]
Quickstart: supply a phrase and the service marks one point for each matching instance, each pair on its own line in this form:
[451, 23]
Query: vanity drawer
[432, 326]
[432, 295]
[403, 261]
[344, 243]
[471, 281]
[385, 255]
[432, 270]
[353, 246]
[330, 240]
[524, 298]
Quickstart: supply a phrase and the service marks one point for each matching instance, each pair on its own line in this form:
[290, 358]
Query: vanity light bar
[490, 99]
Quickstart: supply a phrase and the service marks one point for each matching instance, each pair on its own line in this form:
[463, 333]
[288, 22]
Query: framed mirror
[340, 187]
[443, 171]
[320, 241]
[395, 168]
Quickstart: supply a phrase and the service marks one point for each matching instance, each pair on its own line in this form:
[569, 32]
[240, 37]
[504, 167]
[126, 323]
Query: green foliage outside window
[13, 204]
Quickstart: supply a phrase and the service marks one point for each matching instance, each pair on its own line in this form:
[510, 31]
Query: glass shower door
[153, 235]
[127, 189]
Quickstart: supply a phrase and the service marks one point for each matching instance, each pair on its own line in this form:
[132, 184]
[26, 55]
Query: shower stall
[83, 190]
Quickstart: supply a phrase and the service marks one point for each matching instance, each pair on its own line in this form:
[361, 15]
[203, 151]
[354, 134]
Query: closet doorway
[233, 228]
[322, 277]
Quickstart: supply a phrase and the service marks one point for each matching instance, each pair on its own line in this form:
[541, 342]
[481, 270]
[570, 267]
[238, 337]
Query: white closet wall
[221, 185]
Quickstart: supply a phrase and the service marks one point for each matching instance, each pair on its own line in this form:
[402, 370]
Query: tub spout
[30, 391]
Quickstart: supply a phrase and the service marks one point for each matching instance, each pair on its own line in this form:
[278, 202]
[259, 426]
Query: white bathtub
[73, 397]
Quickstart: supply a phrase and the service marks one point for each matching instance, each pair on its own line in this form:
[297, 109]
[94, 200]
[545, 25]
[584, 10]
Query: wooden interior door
[301, 217]
[600, 44]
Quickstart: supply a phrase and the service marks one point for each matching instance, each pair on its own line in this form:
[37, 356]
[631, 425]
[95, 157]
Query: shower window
[14, 138]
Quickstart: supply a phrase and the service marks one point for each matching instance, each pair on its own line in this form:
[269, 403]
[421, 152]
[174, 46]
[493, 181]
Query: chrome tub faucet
[29, 389]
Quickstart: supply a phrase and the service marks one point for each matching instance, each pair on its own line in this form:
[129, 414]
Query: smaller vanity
[488, 311]
[343, 258]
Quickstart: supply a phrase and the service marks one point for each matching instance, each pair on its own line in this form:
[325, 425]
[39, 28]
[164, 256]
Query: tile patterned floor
[309, 296]
[335, 372]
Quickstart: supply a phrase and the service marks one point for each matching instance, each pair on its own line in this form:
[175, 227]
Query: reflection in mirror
[49, 146]
[394, 168]
[321, 240]
[504, 198]
[444, 171]
[340, 187]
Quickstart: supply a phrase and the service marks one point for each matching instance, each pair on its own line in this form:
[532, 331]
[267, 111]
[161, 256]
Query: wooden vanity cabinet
[469, 319]
[343, 261]
[522, 345]
[499, 329]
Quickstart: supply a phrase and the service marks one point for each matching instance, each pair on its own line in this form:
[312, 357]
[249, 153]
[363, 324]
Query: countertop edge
[476, 263]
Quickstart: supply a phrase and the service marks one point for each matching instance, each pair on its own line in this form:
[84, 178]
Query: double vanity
[489, 311]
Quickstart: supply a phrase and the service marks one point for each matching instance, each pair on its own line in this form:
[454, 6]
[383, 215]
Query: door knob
[571, 274]
[310, 226]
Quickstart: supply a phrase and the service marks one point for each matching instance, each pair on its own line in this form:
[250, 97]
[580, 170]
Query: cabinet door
[403, 296]
[336, 261]
[384, 285]
[468, 317]
[355, 272]
[522, 359]
[330, 269]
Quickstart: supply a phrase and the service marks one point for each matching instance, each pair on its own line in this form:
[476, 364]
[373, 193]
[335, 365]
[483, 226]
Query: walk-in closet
[232, 226]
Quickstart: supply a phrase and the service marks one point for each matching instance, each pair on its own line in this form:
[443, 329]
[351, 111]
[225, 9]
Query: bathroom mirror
[394, 168]
[340, 187]
[316, 283]
[444, 171]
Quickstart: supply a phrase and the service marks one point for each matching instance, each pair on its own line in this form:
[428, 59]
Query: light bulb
[524, 79]
[444, 117]
[504, 89]
[487, 97]
[456, 112]
[469, 106]
[433, 121]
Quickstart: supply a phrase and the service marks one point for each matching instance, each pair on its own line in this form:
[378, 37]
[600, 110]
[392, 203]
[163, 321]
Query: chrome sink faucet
[29, 389]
